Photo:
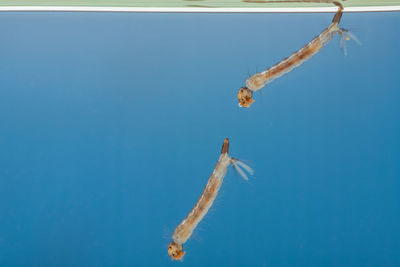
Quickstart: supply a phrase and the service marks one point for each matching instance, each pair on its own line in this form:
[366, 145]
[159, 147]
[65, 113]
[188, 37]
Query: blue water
[110, 125]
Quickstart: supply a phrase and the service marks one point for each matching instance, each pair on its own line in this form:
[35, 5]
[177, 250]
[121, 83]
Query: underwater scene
[113, 124]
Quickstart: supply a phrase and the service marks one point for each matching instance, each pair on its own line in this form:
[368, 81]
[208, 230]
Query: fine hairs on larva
[256, 82]
[259, 80]
[185, 229]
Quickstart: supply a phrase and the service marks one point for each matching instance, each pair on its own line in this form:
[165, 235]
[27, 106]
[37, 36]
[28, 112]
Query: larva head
[245, 97]
[176, 251]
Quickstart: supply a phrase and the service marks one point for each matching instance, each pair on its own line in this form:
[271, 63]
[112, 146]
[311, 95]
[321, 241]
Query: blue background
[110, 125]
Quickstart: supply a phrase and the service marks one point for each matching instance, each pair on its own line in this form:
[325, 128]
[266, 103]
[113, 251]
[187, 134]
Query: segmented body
[185, 229]
[259, 80]
[203, 204]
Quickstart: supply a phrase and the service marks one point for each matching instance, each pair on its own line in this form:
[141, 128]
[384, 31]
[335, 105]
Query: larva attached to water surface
[185, 229]
[259, 80]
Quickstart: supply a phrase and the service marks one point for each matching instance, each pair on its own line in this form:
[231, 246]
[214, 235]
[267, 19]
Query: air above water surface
[111, 124]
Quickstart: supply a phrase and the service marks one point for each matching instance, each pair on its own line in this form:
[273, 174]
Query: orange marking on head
[245, 97]
[176, 251]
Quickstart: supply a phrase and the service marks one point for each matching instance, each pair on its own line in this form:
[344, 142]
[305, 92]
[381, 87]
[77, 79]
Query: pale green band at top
[191, 3]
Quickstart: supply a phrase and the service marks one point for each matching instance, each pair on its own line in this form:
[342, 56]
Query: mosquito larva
[259, 80]
[185, 229]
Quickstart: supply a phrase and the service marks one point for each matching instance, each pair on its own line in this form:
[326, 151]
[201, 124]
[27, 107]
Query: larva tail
[225, 146]
[336, 19]
[239, 166]
[346, 35]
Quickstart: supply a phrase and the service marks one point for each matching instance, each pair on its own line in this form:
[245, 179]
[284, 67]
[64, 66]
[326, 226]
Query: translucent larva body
[185, 229]
[259, 80]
